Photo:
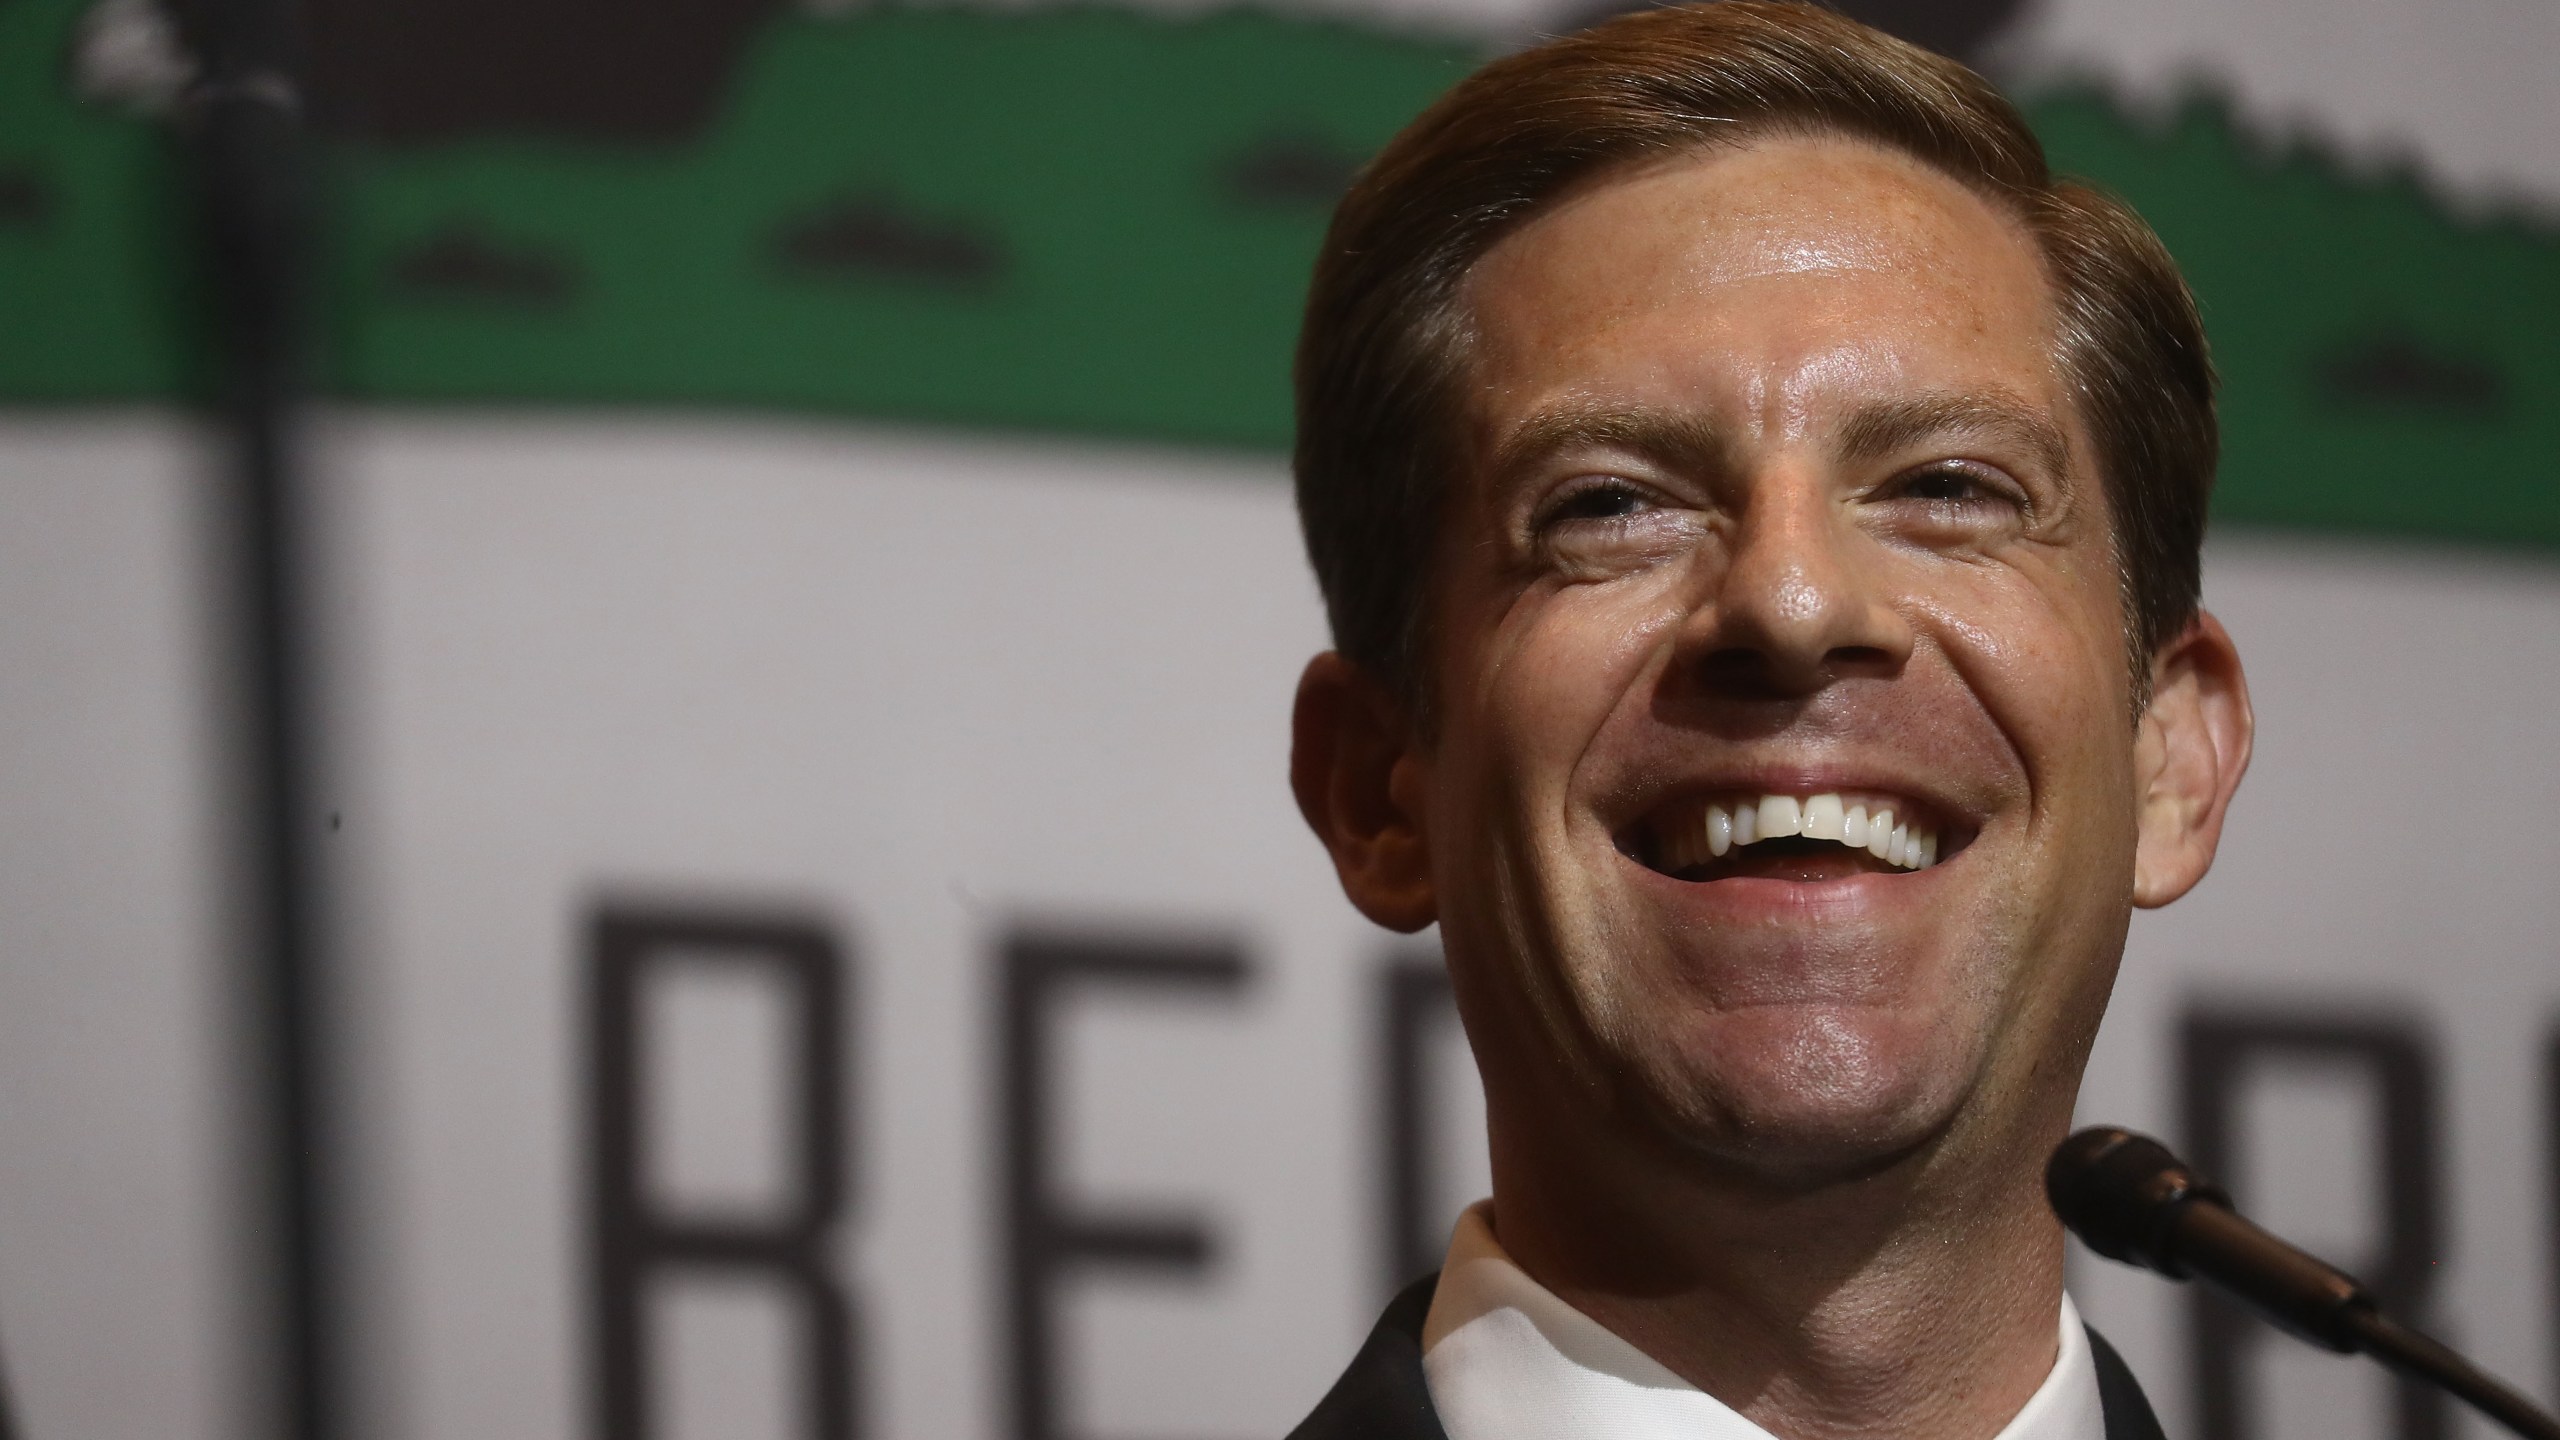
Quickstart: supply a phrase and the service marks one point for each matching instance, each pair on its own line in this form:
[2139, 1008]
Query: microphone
[2128, 1198]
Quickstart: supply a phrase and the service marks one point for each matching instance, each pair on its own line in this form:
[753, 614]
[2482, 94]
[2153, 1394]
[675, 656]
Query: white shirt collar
[1505, 1359]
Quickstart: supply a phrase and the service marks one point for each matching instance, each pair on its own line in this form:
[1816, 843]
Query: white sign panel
[828, 950]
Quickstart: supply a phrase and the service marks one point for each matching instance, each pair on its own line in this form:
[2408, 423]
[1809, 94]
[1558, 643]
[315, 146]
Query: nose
[1801, 601]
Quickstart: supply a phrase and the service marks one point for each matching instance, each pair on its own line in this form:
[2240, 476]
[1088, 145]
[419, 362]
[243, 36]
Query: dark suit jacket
[1381, 1397]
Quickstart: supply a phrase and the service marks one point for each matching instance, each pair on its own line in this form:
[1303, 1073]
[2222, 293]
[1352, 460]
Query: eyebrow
[1691, 443]
[1684, 441]
[1878, 430]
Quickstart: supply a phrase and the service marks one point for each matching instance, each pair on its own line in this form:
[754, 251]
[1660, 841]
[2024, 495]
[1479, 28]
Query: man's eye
[1948, 485]
[1608, 500]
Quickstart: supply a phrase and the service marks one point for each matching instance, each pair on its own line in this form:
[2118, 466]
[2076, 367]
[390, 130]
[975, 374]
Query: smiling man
[1758, 508]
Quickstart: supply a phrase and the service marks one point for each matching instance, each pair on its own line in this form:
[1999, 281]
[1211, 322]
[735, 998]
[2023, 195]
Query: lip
[1743, 900]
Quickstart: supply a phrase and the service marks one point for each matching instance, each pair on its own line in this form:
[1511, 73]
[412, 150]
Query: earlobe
[1357, 778]
[2191, 751]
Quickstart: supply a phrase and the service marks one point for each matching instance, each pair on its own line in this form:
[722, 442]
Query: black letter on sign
[2218, 1051]
[1413, 1001]
[8, 1416]
[1043, 1236]
[2551, 1201]
[636, 1238]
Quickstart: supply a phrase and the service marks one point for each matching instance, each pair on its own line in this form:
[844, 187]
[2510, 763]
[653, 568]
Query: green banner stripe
[1099, 222]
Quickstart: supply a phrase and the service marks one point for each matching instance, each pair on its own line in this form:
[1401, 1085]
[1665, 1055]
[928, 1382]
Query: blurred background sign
[810, 601]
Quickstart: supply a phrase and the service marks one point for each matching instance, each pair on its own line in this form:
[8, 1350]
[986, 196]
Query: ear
[2191, 750]
[1359, 782]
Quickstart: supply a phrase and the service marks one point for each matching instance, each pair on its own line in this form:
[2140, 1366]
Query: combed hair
[1381, 356]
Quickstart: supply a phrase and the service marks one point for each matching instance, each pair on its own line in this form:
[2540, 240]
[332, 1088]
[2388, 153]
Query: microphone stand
[2412, 1353]
[2129, 1199]
[243, 126]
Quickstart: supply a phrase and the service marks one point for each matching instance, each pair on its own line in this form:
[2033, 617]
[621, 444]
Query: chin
[1801, 1095]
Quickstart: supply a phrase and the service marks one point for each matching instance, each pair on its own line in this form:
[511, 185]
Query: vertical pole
[244, 124]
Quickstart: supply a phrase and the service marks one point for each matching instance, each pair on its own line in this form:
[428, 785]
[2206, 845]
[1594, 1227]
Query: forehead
[1769, 282]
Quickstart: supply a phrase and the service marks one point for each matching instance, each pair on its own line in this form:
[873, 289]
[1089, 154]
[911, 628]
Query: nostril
[1737, 668]
[1752, 673]
[1744, 672]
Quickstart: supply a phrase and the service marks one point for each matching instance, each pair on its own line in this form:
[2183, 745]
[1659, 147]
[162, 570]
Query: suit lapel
[1382, 1395]
[2128, 1410]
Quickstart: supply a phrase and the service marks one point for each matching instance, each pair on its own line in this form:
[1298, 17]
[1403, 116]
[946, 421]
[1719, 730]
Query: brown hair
[1383, 346]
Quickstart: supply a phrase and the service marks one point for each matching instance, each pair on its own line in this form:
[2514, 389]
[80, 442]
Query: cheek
[1563, 660]
[2046, 664]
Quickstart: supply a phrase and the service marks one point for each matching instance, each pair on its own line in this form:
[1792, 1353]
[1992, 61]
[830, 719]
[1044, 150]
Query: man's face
[1776, 504]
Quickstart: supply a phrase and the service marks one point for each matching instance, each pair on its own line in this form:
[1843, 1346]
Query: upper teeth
[1856, 824]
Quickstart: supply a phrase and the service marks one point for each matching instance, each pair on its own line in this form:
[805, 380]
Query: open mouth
[1827, 836]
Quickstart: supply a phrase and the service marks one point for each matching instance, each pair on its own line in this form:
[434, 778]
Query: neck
[1919, 1301]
